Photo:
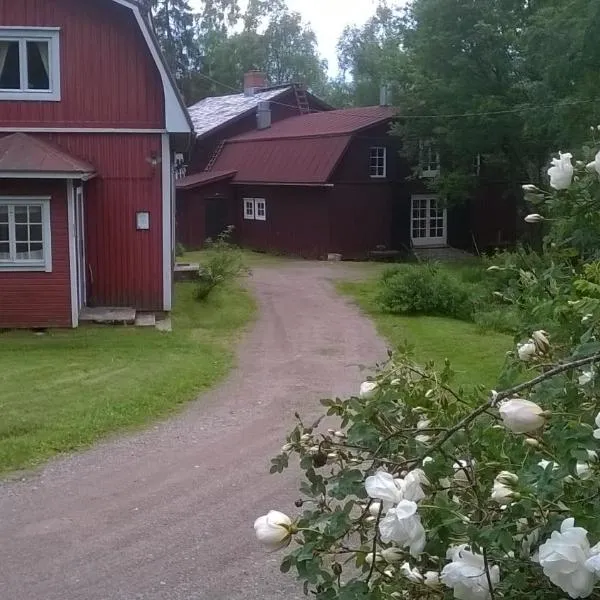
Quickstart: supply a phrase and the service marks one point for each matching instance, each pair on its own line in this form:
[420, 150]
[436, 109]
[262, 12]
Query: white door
[428, 221]
[80, 248]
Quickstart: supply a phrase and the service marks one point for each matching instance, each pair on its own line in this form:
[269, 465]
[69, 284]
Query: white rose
[534, 218]
[422, 438]
[273, 530]
[526, 351]
[383, 486]
[466, 574]
[410, 485]
[583, 470]
[423, 424]
[593, 562]
[521, 416]
[432, 579]
[392, 554]
[597, 431]
[561, 171]
[402, 525]
[540, 340]
[374, 508]
[529, 188]
[563, 558]
[586, 377]
[595, 164]
[367, 390]
[411, 574]
[502, 493]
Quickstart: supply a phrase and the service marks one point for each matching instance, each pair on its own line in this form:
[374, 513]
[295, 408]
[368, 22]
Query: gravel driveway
[167, 514]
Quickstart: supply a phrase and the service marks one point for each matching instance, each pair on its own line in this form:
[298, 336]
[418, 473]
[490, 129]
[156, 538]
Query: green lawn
[251, 258]
[476, 357]
[65, 389]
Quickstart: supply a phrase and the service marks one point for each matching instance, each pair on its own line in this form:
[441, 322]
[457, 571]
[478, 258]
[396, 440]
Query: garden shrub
[425, 290]
[224, 262]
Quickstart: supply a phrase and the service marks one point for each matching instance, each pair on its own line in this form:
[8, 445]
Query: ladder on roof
[302, 100]
[215, 155]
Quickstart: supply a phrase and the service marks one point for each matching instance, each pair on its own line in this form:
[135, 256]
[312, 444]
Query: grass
[476, 357]
[251, 258]
[65, 389]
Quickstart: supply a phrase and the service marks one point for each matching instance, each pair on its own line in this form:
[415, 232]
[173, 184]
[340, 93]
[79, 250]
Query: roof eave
[83, 175]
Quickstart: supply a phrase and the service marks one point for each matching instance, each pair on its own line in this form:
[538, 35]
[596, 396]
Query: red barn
[89, 121]
[308, 185]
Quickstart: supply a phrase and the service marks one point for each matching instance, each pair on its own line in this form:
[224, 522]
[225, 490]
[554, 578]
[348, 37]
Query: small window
[429, 160]
[25, 235]
[260, 209]
[249, 208]
[378, 156]
[29, 64]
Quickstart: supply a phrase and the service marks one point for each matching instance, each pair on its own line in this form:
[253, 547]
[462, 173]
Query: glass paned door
[428, 221]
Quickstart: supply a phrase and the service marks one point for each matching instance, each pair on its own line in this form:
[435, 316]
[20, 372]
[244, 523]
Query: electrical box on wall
[142, 221]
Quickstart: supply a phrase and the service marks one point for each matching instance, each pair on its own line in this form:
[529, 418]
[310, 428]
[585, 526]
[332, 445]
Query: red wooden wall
[108, 77]
[37, 299]
[297, 220]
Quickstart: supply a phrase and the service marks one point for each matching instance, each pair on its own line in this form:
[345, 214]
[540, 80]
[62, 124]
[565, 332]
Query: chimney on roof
[263, 115]
[385, 95]
[254, 80]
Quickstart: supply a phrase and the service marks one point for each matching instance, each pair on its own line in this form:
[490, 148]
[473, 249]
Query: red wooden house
[219, 118]
[308, 185]
[89, 121]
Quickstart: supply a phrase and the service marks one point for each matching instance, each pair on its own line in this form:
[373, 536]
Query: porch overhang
[23, 156]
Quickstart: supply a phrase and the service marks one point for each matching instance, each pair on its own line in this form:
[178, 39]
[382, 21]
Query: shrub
[179, 250]
[224, 262]
[424, 290]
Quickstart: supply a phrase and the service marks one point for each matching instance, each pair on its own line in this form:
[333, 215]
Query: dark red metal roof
[309, 161]
[203, 178]
[334, 122]
[22, 153]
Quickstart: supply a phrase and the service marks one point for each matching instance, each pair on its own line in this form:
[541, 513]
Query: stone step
[108, 315]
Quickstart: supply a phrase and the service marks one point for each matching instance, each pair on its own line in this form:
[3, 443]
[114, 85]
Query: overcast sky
[328, 19]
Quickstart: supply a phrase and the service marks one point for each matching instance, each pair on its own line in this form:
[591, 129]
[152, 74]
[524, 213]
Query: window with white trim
[429, 159]
[25, 243]
[255, 209]
[377, 161]
[249, 209]
[29, 64]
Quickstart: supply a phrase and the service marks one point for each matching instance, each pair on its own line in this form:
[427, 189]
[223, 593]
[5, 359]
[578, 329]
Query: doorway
[215, 217]
[428, 221]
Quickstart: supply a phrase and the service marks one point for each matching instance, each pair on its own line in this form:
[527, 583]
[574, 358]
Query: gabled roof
[301, 150]
[344, 121]
[203, 178]
[214, 112]
[24, 154]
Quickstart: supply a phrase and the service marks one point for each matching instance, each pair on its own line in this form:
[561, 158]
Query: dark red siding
[108, 77]
[37, 299]
[297, 220]
[361, 218]
[191, 212]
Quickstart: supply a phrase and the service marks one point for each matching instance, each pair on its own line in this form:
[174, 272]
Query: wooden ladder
[302, 100]
[215, 155]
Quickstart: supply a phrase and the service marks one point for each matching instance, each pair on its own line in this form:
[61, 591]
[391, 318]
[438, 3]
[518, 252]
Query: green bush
[425, 290]
[224, 262]
[179, 250]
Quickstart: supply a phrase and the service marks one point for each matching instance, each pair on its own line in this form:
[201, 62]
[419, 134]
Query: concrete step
[108, 315]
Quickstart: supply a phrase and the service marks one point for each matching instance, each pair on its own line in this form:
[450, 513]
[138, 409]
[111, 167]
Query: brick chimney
[254, 80]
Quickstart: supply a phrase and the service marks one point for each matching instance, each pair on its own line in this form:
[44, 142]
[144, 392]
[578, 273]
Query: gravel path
[167, 514]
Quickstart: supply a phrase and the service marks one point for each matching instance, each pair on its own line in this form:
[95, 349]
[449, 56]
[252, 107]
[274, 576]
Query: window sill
[28, 96]
[16, 268]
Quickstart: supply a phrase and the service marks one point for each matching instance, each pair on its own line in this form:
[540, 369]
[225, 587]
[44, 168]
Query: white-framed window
[249, 209]
[255, 209]
[378, 161]
[429, 159]
[260, 209]
[25, 236]
[29, 63]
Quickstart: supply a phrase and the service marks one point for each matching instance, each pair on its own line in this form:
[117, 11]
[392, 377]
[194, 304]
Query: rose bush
[427, 490]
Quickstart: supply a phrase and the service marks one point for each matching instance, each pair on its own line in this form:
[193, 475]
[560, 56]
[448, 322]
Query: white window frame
[45, 264]
[374, 158]
[428, 241]
[248, 203]
[424, 167]
[260, 202]
[34, 34]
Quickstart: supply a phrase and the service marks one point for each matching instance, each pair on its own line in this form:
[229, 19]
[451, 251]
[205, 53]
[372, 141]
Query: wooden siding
[361, 218]
[108, 77]
[297, 220]
[35, 299]
[190, 218]
[124, 265]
